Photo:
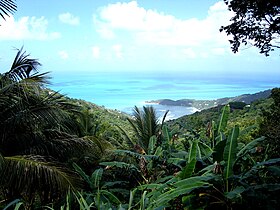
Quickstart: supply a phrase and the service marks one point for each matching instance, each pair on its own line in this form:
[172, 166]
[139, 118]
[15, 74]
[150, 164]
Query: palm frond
[7, 7]
[145, 124]
[29, 175]
[63, 146]
[23, 67]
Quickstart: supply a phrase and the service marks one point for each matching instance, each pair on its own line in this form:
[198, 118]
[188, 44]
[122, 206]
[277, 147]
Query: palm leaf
[144, 124]
[62, 146]
[164, 117]
[7, 7]
[29, 174]
[23, 67]
[129, 140]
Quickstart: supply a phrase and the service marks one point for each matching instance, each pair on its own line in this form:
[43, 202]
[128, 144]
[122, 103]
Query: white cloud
[63, 54]
[218, 51]
[26, 28]
[189, 53]
[68, 18]
[145, 26]
[95, 52]
[117, 48]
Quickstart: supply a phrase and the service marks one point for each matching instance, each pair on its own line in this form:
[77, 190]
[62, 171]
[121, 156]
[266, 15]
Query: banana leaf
[152, 144]
[249, 146]
[230, 154]
[181, 187]
[223, 119]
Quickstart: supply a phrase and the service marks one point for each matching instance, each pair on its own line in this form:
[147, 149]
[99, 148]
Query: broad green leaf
[152, 144]
[188, 182]
[230, 153]
[261, 165]
[166, 139]
[268, 162]
[175, 161]
[213, 133]
[149, 186]
[159, 151]
[275, 170]
[188, 170]
[205, 149]
[182, 187]
[233, 194]
[192, 151]
[223, 119]
[249, 146]
[219, 138]
[218, 151]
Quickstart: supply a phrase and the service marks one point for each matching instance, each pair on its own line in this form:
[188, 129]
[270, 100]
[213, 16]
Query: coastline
[175, 112]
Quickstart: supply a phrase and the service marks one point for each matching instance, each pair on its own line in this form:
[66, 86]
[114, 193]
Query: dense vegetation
[62, 153]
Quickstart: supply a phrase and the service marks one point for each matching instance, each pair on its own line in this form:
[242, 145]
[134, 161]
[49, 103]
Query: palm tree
[7, 7]
[34, 143]
[145, 124]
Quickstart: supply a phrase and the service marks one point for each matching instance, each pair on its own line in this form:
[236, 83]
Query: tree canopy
[256, 22]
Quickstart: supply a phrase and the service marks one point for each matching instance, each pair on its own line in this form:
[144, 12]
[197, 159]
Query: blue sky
[130, 36]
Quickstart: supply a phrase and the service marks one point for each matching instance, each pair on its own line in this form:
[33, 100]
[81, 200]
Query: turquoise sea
[126, 90]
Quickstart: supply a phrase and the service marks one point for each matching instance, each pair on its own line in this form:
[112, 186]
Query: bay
[123, 91]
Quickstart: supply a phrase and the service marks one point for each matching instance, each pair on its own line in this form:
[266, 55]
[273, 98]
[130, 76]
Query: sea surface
[123, 91]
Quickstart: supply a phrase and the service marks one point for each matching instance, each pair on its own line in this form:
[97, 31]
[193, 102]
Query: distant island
[205, 104]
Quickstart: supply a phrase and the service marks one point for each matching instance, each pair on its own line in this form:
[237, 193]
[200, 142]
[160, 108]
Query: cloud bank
[26, 28]
[68, 18]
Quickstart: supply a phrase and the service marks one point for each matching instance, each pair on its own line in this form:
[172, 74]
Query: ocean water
[124, 91]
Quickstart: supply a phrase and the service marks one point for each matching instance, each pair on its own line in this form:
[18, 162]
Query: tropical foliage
[60, 153]
[35, 144]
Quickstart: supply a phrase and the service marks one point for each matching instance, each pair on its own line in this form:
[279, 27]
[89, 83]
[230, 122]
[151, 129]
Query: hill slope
[205, 104]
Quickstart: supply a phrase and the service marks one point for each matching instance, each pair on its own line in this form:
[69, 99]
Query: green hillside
[244, 116]
[205, 104]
